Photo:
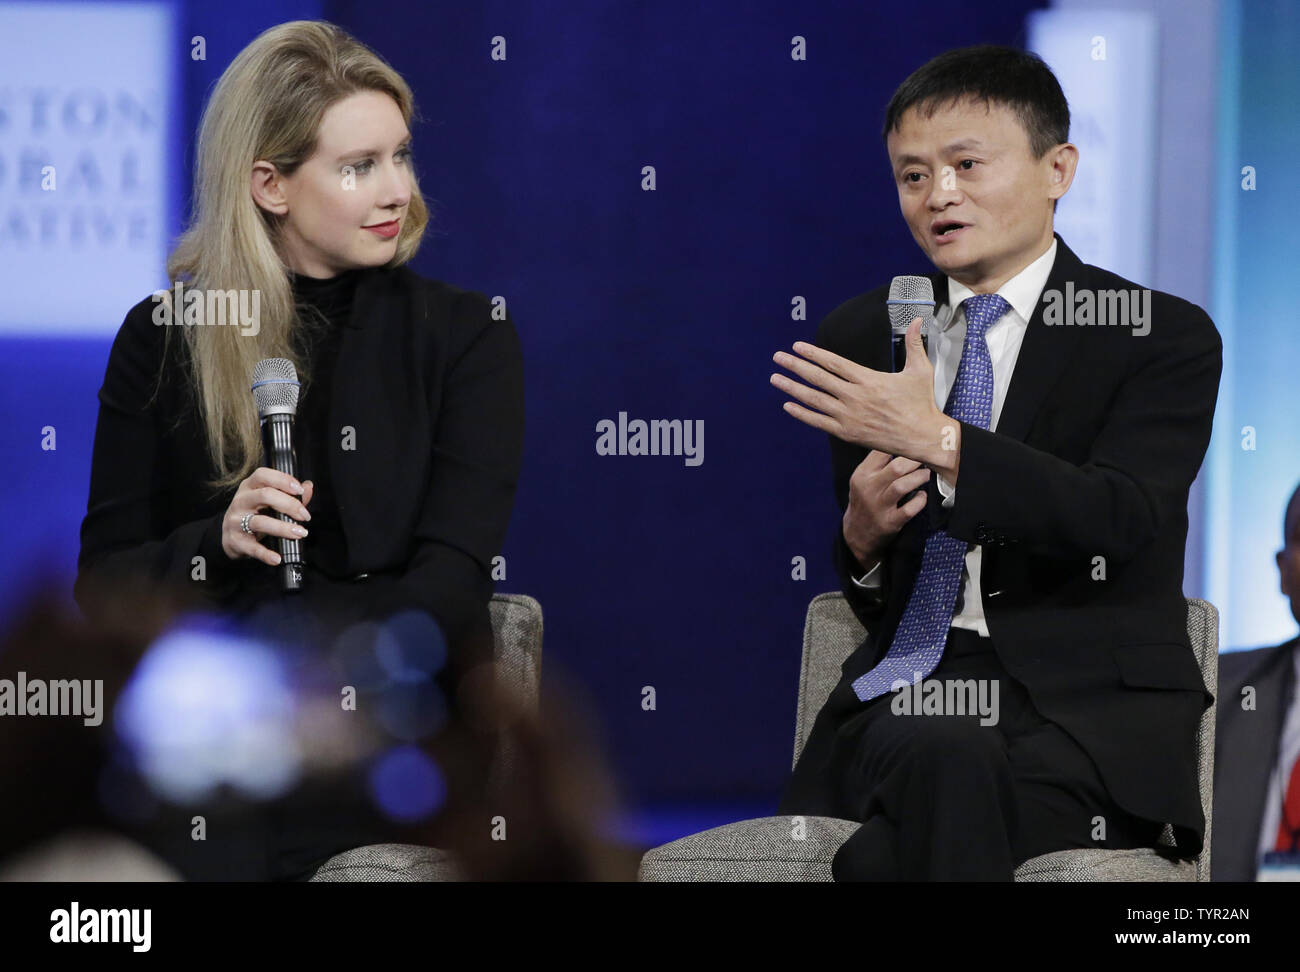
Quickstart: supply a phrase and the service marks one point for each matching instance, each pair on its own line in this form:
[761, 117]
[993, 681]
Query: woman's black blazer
[432, 388]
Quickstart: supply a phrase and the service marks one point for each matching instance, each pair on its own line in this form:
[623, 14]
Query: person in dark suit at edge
[1042, 552]
[409, 429]
[1257, 739]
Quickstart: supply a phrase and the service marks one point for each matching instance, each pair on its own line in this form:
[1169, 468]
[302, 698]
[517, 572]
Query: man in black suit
[1257, 739]
[1058, 471]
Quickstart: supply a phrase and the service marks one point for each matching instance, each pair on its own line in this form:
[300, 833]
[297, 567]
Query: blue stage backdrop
[770, 185]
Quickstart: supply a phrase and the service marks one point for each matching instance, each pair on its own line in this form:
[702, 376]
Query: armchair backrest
[517, 639]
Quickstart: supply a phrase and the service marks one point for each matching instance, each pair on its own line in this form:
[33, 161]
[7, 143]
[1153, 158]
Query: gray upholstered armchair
[763, 849]
[517, 633]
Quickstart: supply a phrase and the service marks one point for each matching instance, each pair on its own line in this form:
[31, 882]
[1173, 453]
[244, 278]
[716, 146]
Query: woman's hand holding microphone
[244, 525]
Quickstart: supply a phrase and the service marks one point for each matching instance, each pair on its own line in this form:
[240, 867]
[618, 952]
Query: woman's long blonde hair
[267, 105]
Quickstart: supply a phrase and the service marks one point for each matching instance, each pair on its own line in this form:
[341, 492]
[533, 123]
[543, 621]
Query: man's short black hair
[994, 75]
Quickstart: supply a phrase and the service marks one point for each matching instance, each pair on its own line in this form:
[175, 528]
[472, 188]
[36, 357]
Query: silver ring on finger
[243, 523]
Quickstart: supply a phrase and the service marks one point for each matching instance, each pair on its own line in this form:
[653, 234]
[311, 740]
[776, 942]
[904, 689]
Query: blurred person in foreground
[102, 798]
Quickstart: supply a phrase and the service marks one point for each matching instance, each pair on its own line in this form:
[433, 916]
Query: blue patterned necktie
[923, 630]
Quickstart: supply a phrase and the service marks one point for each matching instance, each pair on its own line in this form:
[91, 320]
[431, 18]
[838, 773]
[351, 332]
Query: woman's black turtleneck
[317, 341]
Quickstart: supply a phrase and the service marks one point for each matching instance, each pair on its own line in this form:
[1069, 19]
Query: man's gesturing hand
[895, 413]
[265, 487]
[874, 515]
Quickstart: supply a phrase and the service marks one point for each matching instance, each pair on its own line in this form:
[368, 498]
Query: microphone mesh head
[910, 297]
[275, 387]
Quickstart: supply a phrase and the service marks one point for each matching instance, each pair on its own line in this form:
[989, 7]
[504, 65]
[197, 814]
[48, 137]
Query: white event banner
[86, 93]
[1106, 62]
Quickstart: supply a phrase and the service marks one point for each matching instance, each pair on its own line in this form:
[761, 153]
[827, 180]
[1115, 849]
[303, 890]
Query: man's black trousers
[944, 798]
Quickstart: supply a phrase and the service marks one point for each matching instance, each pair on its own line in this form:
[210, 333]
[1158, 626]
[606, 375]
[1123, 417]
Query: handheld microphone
[275, 389]
[909, 297]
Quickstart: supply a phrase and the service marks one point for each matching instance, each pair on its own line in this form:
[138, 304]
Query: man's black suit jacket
[1246, 751]
[433, 388]
[1099, 439]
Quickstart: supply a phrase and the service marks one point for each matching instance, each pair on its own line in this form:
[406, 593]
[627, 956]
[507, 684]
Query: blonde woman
[409, 425]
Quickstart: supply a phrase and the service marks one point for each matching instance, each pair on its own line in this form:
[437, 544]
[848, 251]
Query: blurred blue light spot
[207, 706]
[413, 648]
[357, 653]
[407, 784]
